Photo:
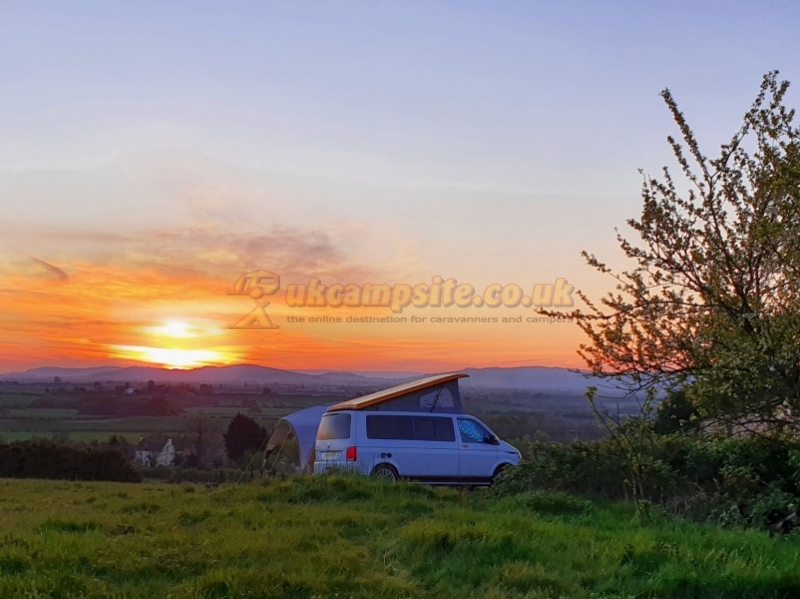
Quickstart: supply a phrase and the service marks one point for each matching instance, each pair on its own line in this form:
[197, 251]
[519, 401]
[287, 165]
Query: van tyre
[386, 472]
[499, 472]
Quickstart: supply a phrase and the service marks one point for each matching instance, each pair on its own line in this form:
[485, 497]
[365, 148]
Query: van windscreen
[334, 426]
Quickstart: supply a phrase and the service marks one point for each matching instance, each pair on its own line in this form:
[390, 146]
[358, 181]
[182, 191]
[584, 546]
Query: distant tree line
[110, 405]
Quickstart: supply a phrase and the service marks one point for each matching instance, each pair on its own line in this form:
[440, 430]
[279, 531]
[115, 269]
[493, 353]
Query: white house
[155, 452]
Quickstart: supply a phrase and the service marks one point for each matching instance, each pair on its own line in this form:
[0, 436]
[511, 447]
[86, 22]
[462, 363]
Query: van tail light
[351, 454]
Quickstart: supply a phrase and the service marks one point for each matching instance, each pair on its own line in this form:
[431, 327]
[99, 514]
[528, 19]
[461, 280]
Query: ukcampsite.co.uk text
[439, 293]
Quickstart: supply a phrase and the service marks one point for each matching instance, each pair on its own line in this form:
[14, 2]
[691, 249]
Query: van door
[334, 436]
[421, 447]
[478, 455]
[436, 437]
[391, 439]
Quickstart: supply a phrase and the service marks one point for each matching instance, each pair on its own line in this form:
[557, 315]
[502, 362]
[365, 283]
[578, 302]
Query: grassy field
[17, 398]
[349, 537]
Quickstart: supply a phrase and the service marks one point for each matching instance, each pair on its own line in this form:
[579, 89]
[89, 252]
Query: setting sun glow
[172, 357]
[174, 344]
[176, 329]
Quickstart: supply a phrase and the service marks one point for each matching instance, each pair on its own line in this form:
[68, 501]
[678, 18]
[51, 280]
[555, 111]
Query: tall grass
[347, 536]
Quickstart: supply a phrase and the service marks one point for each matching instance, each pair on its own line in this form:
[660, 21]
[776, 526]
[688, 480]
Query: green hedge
[748, 480]
[39, 458]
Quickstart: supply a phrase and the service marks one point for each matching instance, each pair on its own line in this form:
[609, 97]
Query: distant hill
[529, 378]
[542, 379]
[532, 378]
[242, 373]
[49, 372]
[370, 374]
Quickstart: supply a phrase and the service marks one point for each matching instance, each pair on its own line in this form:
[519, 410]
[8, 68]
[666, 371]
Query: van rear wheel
[386, 472]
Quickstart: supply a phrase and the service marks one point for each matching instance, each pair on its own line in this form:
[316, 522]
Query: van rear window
[411, 428]
[389, 427]
[334, 426]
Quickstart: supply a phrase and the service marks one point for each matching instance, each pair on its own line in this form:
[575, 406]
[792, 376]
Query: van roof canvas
[374, 399]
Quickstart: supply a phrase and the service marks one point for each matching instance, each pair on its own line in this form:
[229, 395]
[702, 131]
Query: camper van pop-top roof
[434, 393]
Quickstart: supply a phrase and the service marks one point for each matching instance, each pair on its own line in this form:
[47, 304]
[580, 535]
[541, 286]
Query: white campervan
[415, 431]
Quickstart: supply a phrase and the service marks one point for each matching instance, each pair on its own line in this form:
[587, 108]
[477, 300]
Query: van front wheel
[386, 472]
[498, 473]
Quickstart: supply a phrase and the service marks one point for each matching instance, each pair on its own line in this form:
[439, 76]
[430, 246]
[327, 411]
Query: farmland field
[560, 418]
[18, 421]
[341, 536]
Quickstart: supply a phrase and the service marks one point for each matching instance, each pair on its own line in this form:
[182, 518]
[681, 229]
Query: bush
[592, 468]
[44, 459]
[729, 481]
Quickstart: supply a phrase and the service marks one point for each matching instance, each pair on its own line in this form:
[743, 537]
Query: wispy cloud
[59, 276]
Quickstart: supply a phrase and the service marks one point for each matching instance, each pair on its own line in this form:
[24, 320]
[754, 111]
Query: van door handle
[465, 446]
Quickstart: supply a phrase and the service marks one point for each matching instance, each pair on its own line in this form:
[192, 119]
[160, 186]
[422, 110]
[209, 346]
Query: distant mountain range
[529, 378]
[242, 373]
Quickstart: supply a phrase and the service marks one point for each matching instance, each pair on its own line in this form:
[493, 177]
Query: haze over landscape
[535, 379]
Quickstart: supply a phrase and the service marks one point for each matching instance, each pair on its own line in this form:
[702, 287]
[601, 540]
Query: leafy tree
[206, 442]
[713, 301]
[244, 434]
[676, 413]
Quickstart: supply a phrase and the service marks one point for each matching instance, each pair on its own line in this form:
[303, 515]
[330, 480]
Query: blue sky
[482, 140]
[542, 97]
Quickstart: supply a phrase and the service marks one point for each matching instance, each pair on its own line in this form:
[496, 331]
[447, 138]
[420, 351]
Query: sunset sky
[151, 153]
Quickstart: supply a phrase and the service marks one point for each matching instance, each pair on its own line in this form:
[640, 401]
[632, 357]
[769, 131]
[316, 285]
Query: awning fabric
[304, 424]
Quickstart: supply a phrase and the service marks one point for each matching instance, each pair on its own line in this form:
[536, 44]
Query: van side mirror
[493, 440]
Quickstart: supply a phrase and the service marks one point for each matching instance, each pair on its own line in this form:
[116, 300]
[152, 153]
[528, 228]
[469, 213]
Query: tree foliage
[244, 434]
[713, 301]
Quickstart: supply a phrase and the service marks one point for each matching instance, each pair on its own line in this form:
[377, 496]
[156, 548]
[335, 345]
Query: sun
[177, 344]
[175, 329]
[173, 357]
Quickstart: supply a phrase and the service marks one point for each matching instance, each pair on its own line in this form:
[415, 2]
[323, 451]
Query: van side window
[434, 429]
[472, 432]
[334, 426]
[390, 427]
[411, 428]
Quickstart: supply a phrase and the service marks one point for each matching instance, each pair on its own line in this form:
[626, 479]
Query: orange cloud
[175, 315]
[158, 296]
